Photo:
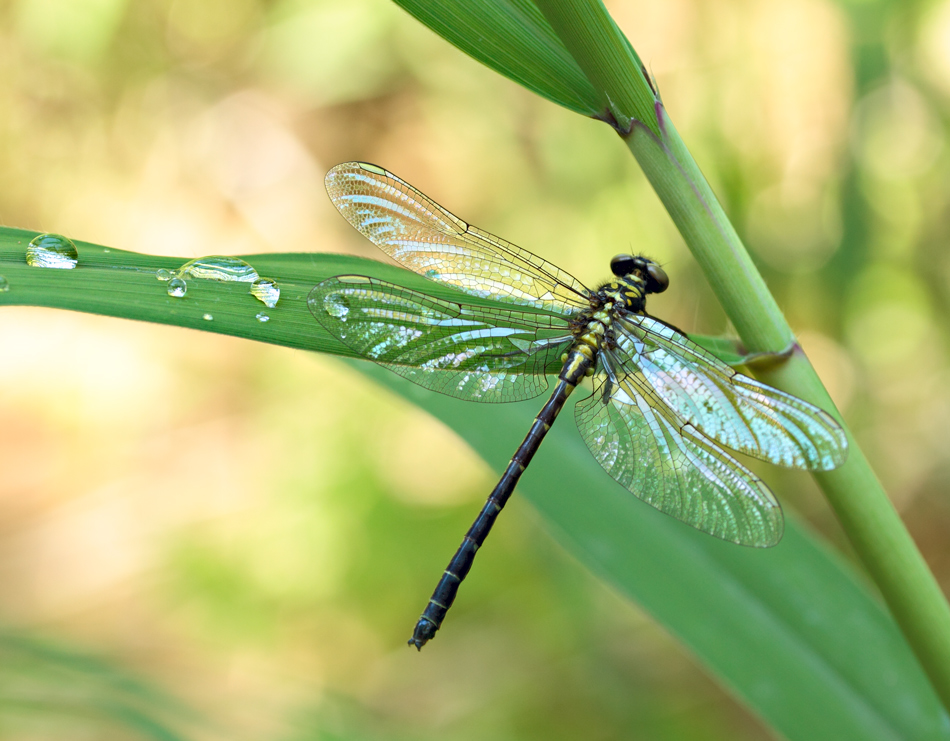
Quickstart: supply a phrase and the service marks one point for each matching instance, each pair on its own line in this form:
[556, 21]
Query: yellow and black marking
[592, 327]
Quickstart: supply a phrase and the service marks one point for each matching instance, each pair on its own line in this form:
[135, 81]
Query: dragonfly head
[652, 275]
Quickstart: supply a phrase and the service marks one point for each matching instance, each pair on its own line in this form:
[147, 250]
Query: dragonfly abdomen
[579, 360]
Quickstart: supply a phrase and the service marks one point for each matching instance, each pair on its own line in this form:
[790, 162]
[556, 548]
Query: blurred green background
[206, 538]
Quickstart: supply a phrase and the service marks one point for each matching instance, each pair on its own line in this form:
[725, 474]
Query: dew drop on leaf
[52, 251]
[177, 288]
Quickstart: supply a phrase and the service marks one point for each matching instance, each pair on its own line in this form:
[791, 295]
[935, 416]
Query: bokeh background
[234, 540]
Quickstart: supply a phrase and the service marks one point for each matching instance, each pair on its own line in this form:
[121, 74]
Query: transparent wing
[469, 352]
[421, 235]
[669, 465]
[734, 410]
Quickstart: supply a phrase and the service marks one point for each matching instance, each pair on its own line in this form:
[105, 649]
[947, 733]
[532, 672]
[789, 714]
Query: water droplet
[219, 268]
[4, 284]
[207, 317]
[162, 274]
[52, 251]
[177, 288]
[262, 317]
[267, 291]
[335, 305]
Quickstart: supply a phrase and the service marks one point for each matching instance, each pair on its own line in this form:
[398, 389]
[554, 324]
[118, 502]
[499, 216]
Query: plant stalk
[867, 516]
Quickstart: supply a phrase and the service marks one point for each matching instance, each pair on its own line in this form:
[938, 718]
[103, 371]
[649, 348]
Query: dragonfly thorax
[629, 293]
[636, 277]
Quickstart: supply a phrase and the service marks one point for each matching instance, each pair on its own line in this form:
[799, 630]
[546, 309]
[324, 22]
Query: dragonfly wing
[728, 407]
[672, 467]
[463, 350]
[421, 235]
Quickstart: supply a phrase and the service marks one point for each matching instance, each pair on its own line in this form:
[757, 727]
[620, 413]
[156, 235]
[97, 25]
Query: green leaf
[607, 59]
[732, 351]
[124, 284]
[790, 630]
[513, 38]
[727, 349]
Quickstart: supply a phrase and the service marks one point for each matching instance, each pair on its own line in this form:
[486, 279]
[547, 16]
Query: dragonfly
[664, 415]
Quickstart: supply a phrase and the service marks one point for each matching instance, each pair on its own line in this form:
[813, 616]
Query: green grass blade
[116, 283]
[512, 38]
[790, 630]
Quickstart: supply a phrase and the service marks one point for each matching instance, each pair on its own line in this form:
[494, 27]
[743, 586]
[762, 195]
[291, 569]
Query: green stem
[866, 514]
[625, 90]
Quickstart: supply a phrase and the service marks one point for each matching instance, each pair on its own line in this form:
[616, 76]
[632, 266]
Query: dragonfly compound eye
[657, 279]
[622, 265]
